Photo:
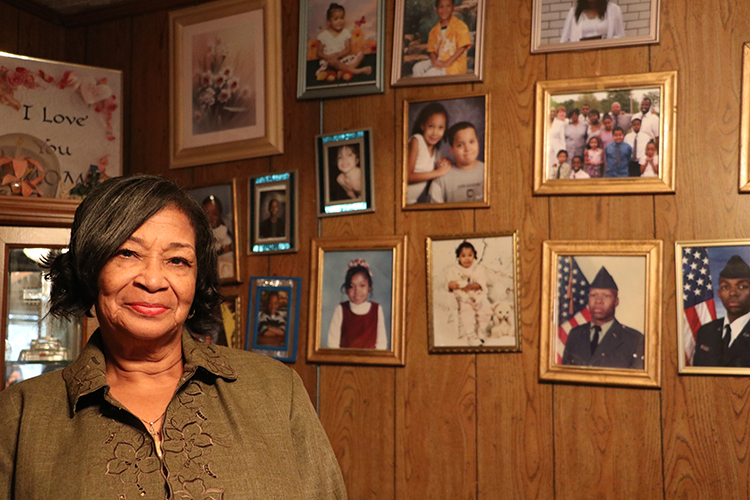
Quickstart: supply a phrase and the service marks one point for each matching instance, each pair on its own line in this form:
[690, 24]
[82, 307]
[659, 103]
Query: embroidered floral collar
[87, 373]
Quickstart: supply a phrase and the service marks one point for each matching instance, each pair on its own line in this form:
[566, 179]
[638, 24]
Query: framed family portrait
[225, 82]
[714, 335]
[605, 135]
[61, 135]
[219, 201]
[344, 172]
[472, 293]
[437, 41]
[561, 25]
[340, 48]
[273, 213]
[601, 312]
[446, 153]
[357, 295]
[273, 312]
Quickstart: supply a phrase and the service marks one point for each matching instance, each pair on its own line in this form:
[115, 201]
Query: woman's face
[359, 289]
[147, 288]
[434, 129]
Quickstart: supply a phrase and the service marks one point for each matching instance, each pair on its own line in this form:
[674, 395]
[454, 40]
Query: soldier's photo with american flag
[713, 306]
[601, 309]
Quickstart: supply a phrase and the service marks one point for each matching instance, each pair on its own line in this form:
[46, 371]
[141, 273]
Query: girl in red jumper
[357, 323]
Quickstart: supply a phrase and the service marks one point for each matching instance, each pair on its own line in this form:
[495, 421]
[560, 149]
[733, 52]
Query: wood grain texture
[40, 38]
[9, 33]
[514, 411]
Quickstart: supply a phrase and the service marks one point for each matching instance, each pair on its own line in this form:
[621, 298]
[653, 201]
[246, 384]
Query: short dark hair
[579, 157]
[271, 201]
[561, 151]
[458, 127]
[465, 244]
[331, 8]
[104, 220]
[575, 111]
[433, 108]
[351, 273]
[616, 129]
[594, 112]
[437, 2]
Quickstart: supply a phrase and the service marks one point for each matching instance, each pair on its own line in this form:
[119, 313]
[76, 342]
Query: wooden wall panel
[9, 33]
[39, 38]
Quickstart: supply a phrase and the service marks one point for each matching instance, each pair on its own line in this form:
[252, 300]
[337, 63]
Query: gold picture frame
[225, 104]
[625, 275]
[459, 111]
[337, 260]
[700, 267]
[462, 317]
[630, 93]
[745, 122]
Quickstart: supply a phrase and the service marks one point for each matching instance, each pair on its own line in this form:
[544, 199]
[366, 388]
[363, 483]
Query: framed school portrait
[713, 277]
[437, 42]
[446, 153]
[340, 48]
[605, 135]
[357, 300]
[273, 311]
[273, 213]
[344, 172]
[601, 312]
[219, 201]
[561, 25]
[472, 293]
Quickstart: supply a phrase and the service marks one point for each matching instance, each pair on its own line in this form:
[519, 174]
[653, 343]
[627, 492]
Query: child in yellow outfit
[447, 44]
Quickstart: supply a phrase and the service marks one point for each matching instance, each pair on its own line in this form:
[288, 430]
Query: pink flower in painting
[44, 76]
[197, 116]
[69, 79]
[219, 80]
[227, 72]
[15, 79]
[206, 78]
[224, 95]
[207, 98]
[233, 84]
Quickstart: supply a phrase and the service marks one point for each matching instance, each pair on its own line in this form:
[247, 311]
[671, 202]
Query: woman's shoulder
[42, 393]
[256, 366]
[613, 8]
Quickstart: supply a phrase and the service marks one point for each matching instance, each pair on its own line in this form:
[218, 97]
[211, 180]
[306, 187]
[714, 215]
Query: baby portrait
[473, 293]
[438, 40]
[445, 154]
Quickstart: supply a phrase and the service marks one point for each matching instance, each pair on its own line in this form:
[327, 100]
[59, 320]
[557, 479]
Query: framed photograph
[472, 293]
[344, 172]
[437, 42]
[61, 135]
[220, 203]
[446, 152]
[745, 122]
[231, 316]
[605, 135]
[714, 335]
[340, 48]
[561, 25]
[274, 317]
[601, 312]
[225, 82]
[357, 295]
[273, 213]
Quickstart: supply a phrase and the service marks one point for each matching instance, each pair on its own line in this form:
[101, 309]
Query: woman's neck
[130, 358]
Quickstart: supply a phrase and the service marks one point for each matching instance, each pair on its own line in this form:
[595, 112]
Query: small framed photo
[220, 203]
[228, 331]
[225, 82]
[340, 48]
[714, 335]
[605, 135]
[345, 172]
[561, 25]
[472, 293]
[274, 317]
[437, 42]
[273, 213]
[601, 312]
[357, 294]
[446, 153]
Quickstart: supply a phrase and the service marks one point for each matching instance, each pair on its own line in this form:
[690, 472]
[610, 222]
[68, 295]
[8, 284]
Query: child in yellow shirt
[447, 44]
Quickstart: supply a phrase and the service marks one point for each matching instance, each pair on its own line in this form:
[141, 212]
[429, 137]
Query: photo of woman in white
[593, 20]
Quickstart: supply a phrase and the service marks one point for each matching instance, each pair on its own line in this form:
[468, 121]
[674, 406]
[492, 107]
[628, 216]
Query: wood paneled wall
[483, 426]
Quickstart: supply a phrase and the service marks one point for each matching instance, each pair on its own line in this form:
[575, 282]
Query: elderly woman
[145, 411]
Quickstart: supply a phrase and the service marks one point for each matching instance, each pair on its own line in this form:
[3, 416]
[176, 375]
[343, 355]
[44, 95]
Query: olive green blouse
[240, 426]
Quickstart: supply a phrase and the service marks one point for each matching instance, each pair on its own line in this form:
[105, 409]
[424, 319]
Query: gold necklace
[154, 433]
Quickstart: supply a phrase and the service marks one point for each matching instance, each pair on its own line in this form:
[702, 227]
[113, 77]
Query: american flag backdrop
[572, 301]
[697, 296]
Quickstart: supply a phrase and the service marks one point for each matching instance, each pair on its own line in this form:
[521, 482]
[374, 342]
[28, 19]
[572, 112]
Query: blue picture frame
[282, 318]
